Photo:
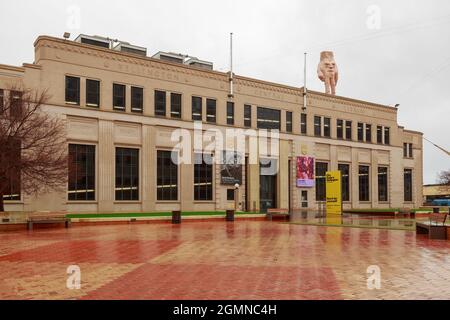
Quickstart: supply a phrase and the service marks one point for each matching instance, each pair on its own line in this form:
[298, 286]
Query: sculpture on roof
[328, 71]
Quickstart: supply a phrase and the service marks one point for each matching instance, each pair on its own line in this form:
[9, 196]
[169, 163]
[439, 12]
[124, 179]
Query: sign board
[231, 168]
[333, 192]
[305, 172]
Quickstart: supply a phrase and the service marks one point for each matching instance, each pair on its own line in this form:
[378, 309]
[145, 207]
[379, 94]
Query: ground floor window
[203, 177]
[81, 172]
[345, 181]
[127, 174]
[321, 169]
[13, 182]
[364, 183]
[382, 184]
[407, 184]
[167, 175]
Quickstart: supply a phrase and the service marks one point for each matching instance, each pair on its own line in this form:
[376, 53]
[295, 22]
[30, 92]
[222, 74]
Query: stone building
[122, 108]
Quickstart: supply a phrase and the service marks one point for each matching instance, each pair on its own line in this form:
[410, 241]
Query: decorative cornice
[11, 68]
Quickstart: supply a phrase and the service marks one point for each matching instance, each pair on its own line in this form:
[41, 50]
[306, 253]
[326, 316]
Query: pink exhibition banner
[305, 172]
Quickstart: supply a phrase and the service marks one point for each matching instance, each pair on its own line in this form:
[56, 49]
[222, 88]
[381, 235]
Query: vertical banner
[333, 192]
[305, 172]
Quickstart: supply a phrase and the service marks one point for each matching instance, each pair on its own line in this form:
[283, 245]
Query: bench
[277, 213]
[435, 227]
[47, 217]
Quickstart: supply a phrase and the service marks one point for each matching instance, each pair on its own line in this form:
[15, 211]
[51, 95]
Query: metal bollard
[176, 216]
[229, 215]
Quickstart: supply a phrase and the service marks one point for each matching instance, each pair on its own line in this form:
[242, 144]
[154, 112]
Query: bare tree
[444, 177]
[33, 155]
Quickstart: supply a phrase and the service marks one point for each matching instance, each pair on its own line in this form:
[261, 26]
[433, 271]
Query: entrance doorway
[267, 184]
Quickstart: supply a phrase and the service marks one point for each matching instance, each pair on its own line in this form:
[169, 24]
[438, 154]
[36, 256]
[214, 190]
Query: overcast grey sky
[387, 51]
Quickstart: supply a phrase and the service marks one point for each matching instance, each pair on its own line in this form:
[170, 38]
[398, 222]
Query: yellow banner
[334, 192]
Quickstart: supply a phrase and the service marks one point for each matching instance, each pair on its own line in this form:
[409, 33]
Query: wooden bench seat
[47, 217]
[277, 213]
[435, 226]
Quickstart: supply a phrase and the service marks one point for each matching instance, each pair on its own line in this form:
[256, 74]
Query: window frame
[317, 126]
[160, 106]
[211, 105]
[76, 90]
[386, 182]
[140, 108]
[345, 182]
[364, 194]
[303, 123]
[124, 97]
[289, 121]
[168, 176]
[202, 179]
[136, 175]
[248, 115]
[172, 104]
[320, 181]
[94, 173]
[97, 98]
[230, 113]
[198, 115]
[327, 127]
[406, 191]
[264, 119]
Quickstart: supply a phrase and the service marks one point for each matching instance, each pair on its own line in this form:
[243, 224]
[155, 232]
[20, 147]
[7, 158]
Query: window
[386, 135]
[368, 133]
[137, 99]
[345, 178]
[348, 130]
[81, 172]
[203, 178]
[16, 106]
[363, 175]
[327, 127]
[196, 108]
[2, 101]
[167, 176]
[407, 150]
[72, 90]
[268, 118]
[407, 184]
[321, 169]
[304, 196]
[382, 184]
[92, 93]
[360, 131]
[230, 112]
[175, 105]
[119, 96]
[127, 174]
[379, 134]
[288, 121]
[303, 123]
[230, 194]
[339, 129]
[317, 126]
[160, 103]
[211, 110]
[247, 115]
[13, 181]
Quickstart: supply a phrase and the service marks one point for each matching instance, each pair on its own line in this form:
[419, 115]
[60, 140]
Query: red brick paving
[219, 260]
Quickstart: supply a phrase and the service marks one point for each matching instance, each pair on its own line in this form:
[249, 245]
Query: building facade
[121, 109]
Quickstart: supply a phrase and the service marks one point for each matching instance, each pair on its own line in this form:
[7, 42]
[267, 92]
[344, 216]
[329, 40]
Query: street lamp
[236, 193]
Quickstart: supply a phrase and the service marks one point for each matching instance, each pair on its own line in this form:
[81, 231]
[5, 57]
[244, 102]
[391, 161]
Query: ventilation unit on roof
[194, 62]
[129, 48]
[169, 56]
[93, 40]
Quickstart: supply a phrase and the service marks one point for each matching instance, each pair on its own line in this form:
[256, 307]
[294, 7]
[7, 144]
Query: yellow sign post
[333, 192]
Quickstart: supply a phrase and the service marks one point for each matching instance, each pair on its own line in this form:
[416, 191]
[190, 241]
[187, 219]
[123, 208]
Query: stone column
[106, 165]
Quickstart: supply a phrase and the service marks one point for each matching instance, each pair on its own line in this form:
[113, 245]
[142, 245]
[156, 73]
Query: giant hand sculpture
[328, 71]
